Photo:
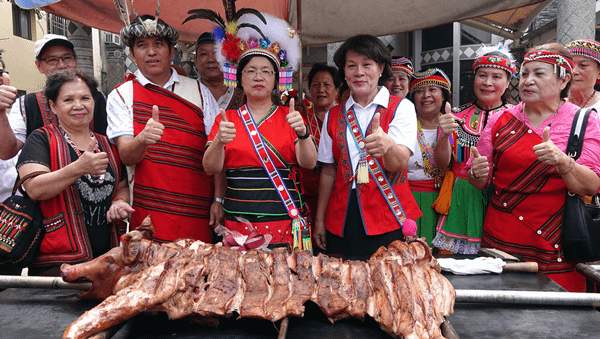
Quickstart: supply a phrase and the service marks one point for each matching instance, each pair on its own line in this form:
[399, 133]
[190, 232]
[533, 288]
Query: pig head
[105, 271]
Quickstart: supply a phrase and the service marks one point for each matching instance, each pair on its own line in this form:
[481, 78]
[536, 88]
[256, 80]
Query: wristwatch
[220, 200]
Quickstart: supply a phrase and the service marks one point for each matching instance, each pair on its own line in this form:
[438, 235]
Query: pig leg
[124, 305]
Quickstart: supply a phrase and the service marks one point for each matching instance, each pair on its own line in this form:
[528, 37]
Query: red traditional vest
[526, 210]
[170, 182]
[377, 217]
[66, 239]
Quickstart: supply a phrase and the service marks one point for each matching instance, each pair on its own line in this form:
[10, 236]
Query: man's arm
[9, 144]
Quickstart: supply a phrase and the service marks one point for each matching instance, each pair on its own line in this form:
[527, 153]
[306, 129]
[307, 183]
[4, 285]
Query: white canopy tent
[319, 21]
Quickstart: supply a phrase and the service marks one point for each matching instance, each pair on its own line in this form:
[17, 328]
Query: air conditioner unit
[110, 38]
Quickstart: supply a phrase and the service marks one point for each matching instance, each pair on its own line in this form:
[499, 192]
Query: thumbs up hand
[92, 163]
[480, 167]
[294, 119]
[226, 132]
[378, 142]
[448, 122]
[154, 130]
[547, 152]
[8, 94]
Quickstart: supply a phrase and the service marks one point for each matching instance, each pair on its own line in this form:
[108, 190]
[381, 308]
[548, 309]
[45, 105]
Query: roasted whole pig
[400, 286]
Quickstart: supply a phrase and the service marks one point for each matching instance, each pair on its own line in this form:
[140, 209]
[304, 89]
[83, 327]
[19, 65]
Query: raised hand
[226, 132]
[154, 130]
[294, 119]
[448, 122]
[93, 163]
[377, 143]
[547, 152]
[8, 94]
[480, 166]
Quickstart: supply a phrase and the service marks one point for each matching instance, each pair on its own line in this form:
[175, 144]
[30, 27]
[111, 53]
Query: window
[21, 22]
[57, 25]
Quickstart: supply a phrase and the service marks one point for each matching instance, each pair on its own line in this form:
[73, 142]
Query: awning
[319, 21]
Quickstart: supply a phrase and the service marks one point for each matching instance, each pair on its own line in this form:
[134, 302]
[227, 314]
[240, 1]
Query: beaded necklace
[428, 163]
[98, 180]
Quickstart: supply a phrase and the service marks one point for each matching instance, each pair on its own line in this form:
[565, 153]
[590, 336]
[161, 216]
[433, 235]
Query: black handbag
[21, 227]
[581, 221]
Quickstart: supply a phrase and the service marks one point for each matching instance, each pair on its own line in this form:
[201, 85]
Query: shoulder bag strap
[575, 142]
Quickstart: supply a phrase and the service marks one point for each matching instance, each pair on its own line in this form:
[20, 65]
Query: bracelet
[473, 174]
[117, 199]
[220, 200]
[571, 164]
[305, 136]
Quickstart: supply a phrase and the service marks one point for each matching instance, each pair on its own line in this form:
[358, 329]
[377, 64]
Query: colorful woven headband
[583, 47]
[431, 77]
[586, 48]
[495, 62]
[148, 28]
[565, 65]
[402, 64]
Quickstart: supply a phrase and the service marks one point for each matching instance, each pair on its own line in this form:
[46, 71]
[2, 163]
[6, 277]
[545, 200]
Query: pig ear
[131, 246]
[146, 228]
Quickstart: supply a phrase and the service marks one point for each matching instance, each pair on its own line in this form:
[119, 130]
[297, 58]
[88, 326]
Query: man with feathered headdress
[159, 121]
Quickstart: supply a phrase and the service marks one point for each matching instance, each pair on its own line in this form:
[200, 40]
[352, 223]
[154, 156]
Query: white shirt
[120, 124]
[403, 127]
[415, 167]
[16, 118]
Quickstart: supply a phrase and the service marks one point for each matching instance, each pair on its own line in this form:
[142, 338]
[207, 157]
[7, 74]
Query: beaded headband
[565, 65]
[431, 77]
[586, 48]
[495, 62]
[402, 64]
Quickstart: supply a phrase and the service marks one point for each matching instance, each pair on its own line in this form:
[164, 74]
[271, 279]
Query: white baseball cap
[54, 40]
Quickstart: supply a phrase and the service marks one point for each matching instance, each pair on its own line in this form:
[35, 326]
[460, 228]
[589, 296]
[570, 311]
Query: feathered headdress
[143, 28]
[253, 34]
[497, 56]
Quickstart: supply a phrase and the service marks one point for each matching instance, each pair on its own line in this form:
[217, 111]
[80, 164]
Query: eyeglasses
[3, 72]
[252, 73]
[53, 61]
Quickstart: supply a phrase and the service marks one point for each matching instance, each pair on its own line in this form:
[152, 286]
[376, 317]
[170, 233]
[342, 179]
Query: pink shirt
[559, 134]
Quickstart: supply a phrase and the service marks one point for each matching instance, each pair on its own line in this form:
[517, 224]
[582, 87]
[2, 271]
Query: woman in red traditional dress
[323, 90]
[82, 188]
[522, 152]
[260, 144]
[459, 228]
[364, 200]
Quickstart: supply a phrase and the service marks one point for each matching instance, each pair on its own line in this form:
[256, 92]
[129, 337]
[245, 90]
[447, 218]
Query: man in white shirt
[211, 76]
[156, 119]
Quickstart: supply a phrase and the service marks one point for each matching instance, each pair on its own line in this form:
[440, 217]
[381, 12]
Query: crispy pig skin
[399, 286]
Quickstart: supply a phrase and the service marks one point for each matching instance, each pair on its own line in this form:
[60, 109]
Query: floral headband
[402, 64]
[561, 64]
[431, 77]
[495, 62]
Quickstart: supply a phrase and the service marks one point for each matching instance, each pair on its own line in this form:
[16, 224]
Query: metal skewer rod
[528, 297]
[10, 281]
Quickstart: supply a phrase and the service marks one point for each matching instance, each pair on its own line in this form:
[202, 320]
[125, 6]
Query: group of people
[347, 174]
